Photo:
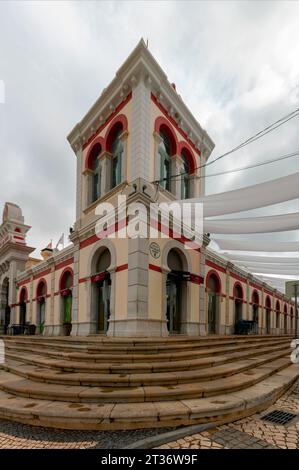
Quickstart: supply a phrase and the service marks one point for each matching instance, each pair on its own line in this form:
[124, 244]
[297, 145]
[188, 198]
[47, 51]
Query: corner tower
[14, 254]
[137, 135]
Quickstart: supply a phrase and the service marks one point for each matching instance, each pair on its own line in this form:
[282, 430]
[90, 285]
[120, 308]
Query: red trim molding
[215, 266]
[173, 122]
[154, 267]
[100, 128]
[123, 267]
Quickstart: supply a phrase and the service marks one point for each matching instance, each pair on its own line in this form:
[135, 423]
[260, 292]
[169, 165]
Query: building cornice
[140, 66]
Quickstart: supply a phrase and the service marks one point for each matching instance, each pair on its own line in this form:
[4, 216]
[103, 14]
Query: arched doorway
[285, 320]
[23, 300]
[102, 291]
[41, 306]
[277, 316]
[5, 303]
[268, 315]
[255, 311]
[66, 284]
[292, 320]
[175, 291]
[238, 296]
[213, 291]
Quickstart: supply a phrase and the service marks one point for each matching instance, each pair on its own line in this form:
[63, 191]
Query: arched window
[96, 178]
[255, 310]
[41, 305]
[164, 153]
[214, 292]
[277, 314]
[94, 165]
[65, 285]
[268, 315]
[238, 301]
[185, 184]
[101, 291]
[117, 150]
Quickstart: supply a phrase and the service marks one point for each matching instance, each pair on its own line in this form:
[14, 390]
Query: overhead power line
[248, 167]
[246, 142]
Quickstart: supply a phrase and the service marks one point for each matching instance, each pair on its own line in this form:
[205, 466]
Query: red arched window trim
[255, 299]
[119, 123]
[23, 295]
[67, 270]
[41, 282]
[268, 302]
[161, 124]
[285, 309]
[277, 305]
[96, 147]
[214, 273]
[237, 284]
[184, 147]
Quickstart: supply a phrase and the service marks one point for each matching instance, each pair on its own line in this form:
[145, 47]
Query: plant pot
[31, 329]
[66, 329]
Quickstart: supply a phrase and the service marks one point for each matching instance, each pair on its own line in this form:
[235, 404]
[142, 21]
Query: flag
[49, 246]
[60, 241]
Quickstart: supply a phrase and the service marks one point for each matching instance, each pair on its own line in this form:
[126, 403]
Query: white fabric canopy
[276, 270]
[275, 223]
[273, 266]
[236, 258]
[245, 245]
[252, 197]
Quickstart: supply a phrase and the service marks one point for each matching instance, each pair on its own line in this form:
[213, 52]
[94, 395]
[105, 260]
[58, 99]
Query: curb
[160, 439]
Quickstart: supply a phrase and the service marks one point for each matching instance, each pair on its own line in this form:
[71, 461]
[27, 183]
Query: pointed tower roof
[140, 65]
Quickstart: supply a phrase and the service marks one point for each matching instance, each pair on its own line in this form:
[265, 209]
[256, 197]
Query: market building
[137, 135]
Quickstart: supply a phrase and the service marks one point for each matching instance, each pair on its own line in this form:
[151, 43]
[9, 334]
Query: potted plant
[67, 328]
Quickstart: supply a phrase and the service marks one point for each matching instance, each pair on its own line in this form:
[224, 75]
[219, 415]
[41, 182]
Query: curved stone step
[135, 358]
[158, 378]
[218, 409]
[17, 385]
[142, 368]
[115, 347]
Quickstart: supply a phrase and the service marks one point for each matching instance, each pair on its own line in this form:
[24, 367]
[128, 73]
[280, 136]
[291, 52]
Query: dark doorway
[175, 289]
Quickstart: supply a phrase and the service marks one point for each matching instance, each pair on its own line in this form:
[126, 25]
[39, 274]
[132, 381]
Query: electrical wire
[248, 141]
[267, 162]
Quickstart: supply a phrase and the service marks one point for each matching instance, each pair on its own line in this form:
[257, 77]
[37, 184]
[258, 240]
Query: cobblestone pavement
[251, 432]
[22, 436]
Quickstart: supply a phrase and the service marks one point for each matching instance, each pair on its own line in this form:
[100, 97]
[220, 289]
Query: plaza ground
[250, 433]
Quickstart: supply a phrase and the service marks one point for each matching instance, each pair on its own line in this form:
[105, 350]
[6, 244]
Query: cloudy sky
[234, 63]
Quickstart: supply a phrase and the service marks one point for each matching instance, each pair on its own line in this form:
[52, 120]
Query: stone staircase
[125, 383]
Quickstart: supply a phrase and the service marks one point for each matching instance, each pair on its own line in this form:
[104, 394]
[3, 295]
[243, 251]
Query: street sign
[292, 288]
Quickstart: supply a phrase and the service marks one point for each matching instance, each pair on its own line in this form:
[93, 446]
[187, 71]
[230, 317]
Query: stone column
[157, 163]
[203, 327]
[177, 166]
[140, 124]
[262, 316]
[124, 138]
[87, 188]
[230, 325]
[113, 293]
[106, 163]
[77, 329]
[79, 184]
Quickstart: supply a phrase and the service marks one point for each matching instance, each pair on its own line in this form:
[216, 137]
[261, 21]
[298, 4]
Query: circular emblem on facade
[155, 250]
